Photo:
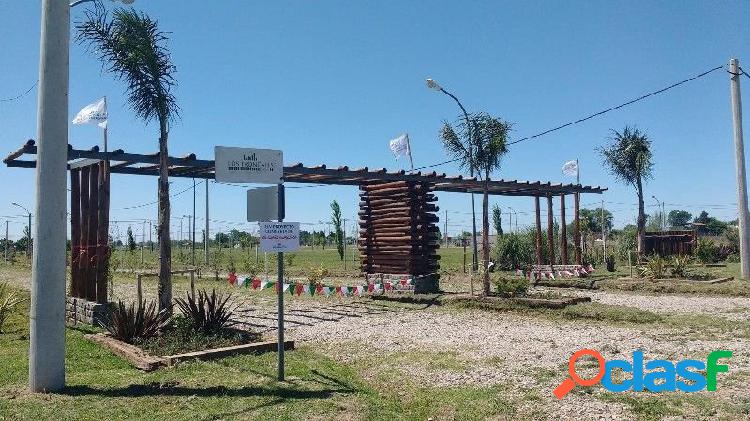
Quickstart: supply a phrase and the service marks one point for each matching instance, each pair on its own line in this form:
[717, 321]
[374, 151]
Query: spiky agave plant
[9, 300]
[208, 313]
[130, 324]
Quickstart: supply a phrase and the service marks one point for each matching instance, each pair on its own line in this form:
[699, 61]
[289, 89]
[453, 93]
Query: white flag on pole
[400, 146]
[95, 112]
[570, 168]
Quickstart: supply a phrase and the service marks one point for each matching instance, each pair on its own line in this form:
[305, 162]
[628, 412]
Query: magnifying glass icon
[568, 384]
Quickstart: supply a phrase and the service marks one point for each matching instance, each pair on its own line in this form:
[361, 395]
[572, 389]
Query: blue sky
[332, 81]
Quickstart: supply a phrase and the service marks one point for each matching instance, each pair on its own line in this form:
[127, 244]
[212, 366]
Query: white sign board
[279, 236]
[263, 204]
[247, 165]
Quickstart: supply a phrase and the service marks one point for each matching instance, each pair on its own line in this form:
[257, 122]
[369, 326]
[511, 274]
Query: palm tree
[481, 148]
[629, 160]
[132, 47]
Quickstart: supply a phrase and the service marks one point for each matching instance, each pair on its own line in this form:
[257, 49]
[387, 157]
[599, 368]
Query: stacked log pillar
[398, 233]
[89, 220]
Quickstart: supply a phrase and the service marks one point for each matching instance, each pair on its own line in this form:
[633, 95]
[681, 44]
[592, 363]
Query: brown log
[395, 184]
[93, 223]
[427, 217]
[407, 228]
[75, 231]
[396, 248]
[396, 203]
[398, 196]
[102, 249]
[83, 256]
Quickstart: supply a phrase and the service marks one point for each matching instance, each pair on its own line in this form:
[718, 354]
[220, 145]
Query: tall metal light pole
[192, 231]
[469, 126]
[516, 215]
[47, 314]
[660, 205]
[28, 242]
[739, 157]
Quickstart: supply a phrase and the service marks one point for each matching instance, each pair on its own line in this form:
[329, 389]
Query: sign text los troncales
[248, 165]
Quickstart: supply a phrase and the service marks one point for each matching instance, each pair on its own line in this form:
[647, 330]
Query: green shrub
[680, 265]
[626, 244]
[514, 251]
[180, 337]
[655, 268]
[733, 258]
[130, 324]
[511, 286]
[209, 314]
[706, 251]
[8, 302]
[317, 274]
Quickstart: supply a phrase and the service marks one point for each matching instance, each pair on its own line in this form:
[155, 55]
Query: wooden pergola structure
[398, 233]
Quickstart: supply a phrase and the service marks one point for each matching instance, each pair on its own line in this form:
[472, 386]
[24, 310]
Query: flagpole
[408, 145]
[106, 126]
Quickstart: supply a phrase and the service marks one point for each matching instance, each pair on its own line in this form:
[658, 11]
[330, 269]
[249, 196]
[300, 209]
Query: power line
[21, 95]
[633, 101]
[581, 120]
[143, 205]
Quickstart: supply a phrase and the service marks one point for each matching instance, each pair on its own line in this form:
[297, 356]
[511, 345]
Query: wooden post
[75, 232]
[192, 282]
[538, 231]
[93, 222]
[139, 288]
[550, 231]
[563, 232]
[577, 228]
[102, 246]
[83, 257]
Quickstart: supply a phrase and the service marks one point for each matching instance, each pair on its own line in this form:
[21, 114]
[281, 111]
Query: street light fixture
[47, 313]
[432, 84]
[662, 222]
[28, 243]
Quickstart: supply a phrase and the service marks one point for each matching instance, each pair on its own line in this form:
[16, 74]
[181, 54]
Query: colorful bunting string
[299, 288]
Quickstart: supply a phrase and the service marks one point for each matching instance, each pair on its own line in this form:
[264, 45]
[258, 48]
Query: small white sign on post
[279, 236]
[248, 165]
[263, 204]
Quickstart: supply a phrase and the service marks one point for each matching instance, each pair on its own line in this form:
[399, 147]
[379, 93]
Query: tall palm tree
[629, 159]
[132, 47]
[481, 148]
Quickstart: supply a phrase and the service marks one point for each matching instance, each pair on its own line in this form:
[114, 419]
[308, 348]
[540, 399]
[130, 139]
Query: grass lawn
[102, 385]
[302, 262]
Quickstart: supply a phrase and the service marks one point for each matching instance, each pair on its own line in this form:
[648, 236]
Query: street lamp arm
[469, 126]
[16, 204]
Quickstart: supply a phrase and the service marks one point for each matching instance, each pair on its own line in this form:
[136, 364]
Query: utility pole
[150, 243]
[344, 242]
[143, 240]
[6, 241]
[604, 234]
[739, 157]
[47, 315]
[445, 230]
[205, 237]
